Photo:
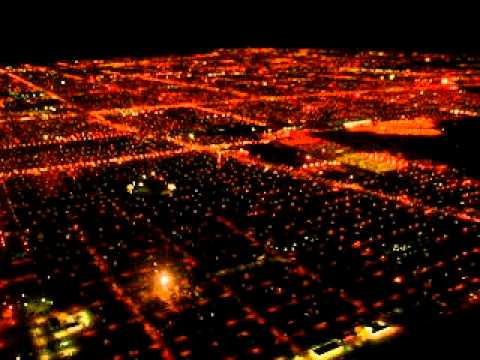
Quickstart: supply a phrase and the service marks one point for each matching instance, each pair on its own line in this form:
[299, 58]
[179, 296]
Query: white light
[164, 279]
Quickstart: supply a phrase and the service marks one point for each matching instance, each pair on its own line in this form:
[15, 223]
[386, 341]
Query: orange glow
[158, 116]
[398, 279]
[411, 127]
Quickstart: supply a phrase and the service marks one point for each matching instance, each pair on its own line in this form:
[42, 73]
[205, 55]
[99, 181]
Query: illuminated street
[236, 204]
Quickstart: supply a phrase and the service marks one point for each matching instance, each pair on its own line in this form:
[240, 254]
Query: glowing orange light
[398, 279]
[165, 279]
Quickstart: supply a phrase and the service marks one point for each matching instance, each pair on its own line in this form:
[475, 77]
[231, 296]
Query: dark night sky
[83, 29]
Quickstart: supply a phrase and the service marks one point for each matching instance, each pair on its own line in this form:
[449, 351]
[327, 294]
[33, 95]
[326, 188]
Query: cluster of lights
[61, 337]
[171, 109]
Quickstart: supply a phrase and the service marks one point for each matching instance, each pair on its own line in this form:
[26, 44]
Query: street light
[165, 279]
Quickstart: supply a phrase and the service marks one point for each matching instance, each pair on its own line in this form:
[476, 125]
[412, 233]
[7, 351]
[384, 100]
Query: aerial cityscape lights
[242, 203]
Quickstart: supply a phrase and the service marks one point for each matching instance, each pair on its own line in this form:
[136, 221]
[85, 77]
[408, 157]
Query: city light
[165, 279]
[239, 203]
